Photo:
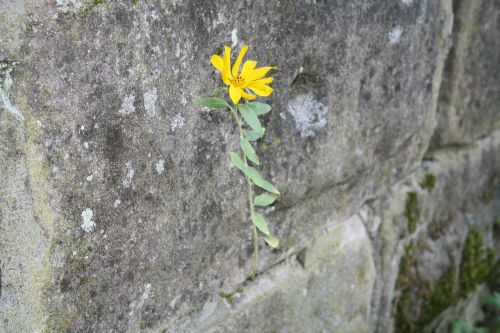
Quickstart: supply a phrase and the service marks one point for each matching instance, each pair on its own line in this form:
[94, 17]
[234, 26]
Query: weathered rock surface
[420, 227]
[469, 96]
[301, 296]
[120, 211]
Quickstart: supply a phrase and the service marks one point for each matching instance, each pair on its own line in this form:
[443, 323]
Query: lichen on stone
[309, 114]
[88, 223]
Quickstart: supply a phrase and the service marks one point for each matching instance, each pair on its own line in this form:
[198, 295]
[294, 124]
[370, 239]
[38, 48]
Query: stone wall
[120, 211]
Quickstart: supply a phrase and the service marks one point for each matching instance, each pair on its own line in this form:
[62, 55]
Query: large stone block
[327, 289]
[434, 235]
[469, 98]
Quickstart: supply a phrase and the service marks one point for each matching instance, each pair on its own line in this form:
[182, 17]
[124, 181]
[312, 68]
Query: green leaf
[259, 181]
[265, 199]
[252, 173]
[251, 118]
[259, 108]
[272, 241]
[212, 102]
[249, 151]
[461, 326]
[493, 301]
[254, 136]
[237, 161]
[261, 224]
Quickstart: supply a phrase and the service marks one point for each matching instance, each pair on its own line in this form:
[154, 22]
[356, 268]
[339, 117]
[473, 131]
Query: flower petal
[248, 96]
[248, 66]
[236, 66]
[258, 73]
[265, 80]
[217, 62]
[260, 89]
[226, 71]
[235, 94]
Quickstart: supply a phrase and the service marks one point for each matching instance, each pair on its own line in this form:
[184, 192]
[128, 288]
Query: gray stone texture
[338, 265]
[465, 197]
[469, 98]
[120, 211]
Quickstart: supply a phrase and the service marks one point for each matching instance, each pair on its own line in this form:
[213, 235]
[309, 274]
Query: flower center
[238, 81]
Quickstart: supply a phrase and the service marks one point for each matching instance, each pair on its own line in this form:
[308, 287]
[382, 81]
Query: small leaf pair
[261, 224]
[251, 118]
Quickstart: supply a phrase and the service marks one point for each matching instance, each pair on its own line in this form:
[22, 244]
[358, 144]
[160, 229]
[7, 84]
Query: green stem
[250, 197]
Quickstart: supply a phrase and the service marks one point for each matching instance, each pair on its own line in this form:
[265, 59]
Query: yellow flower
[250, 78]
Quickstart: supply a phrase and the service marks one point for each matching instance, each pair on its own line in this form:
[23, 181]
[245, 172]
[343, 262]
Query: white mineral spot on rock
[234, 37]
[407, 2]
[117, 203]
[86, 145]
[177, 122]
[127, 105]
[128, 177]
[308, 113]
[395, 34]
[150, 98]
[89, 178]
[160, 166]
[88, 224]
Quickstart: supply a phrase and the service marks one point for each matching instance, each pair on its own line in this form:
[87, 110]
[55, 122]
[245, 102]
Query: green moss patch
[91, 5]
[429, 182]
[412, 211]
[403, 283]
[476, 264]
[443, 296]
[229, 297]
